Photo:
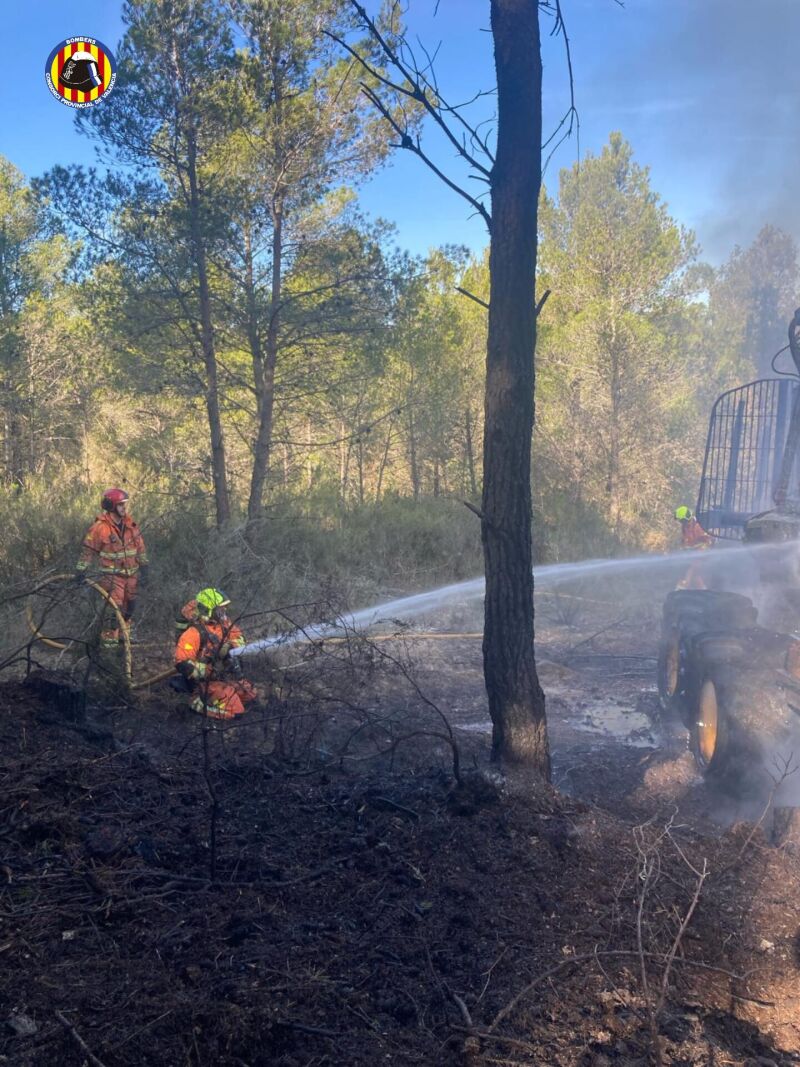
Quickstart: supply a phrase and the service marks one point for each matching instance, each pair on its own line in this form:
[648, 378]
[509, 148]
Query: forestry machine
[729, 657]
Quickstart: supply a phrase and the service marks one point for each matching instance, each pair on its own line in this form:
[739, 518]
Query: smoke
[707, 92]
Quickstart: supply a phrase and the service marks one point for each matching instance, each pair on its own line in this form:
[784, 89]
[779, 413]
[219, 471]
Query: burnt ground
[310, 886]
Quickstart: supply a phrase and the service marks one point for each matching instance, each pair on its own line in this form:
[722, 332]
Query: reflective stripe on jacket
[201, 642]
[118, 548]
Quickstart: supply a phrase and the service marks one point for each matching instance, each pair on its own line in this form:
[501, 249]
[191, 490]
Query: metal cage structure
[744, 454]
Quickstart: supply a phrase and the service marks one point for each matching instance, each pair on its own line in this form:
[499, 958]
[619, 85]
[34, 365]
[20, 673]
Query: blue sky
[706, 91]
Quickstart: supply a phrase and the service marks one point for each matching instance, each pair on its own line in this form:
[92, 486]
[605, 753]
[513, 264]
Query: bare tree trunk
[8, 455]
[343, 460]
[516, 700]
[615, 442]
[251, 311]
[346, 472]
[218, 465]
[266, 401]
[309, 463]
[412, 454]
[384, 461]
[360, 459]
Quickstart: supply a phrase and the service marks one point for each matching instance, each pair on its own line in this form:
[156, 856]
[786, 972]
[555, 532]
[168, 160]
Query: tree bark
[218, 465]
[266, 399]
[384, 461]
[413, 461]
[516, 700]
[786, 829]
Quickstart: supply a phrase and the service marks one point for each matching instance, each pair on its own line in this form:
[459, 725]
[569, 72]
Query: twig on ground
[591, 637]
[649, 853]
[462, 1007]
[786, 767]
[79, 1040]
[585, 957]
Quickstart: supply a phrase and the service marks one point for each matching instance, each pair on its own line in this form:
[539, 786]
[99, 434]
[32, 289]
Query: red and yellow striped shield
[80, 71]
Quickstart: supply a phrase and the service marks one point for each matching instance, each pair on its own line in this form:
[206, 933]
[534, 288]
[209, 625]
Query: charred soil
[172, 893]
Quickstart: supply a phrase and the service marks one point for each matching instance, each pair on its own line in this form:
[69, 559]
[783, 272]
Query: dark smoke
[708, 93]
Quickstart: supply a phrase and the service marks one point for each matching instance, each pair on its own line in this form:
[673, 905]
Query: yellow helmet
[683, 513]
[210, 599]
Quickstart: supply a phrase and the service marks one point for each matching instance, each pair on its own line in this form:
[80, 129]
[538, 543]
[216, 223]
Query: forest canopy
[211, 321]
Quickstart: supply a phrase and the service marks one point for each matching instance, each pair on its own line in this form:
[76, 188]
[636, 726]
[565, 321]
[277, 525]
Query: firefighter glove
[224, 649]
[79, 576]
[144, 575]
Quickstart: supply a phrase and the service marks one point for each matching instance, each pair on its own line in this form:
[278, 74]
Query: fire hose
[170, 671]
[123, 628]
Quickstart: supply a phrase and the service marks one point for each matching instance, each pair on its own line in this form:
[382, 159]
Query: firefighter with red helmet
[114, 544]
[202, 656]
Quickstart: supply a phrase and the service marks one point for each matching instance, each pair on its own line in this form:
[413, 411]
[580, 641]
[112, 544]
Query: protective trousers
[121, 589]
[222, 700]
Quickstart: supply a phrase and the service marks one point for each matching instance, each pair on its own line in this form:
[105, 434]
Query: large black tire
[718, 610]
[707, 652]
[740, 721]
[687, 613]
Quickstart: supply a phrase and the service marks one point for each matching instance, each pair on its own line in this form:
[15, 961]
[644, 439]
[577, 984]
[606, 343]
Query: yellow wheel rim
[672, 665]
[708, 721]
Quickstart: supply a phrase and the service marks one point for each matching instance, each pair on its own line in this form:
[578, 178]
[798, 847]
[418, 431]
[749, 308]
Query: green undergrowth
[304, 561]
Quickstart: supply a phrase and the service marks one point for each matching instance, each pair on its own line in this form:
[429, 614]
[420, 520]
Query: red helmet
[112, 497]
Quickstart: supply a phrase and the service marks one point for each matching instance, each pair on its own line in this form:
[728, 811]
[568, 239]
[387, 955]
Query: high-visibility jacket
[198, 653]
[694, 536]
[201, 644]
[116, 547]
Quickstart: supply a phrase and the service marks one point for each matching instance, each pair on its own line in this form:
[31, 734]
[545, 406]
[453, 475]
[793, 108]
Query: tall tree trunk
[360, 458]
[8, 439]
[252, 323]
[218, 465]
[516, 700]
[309, 462]
[343, 458]
[413, 463]
[266, 401]
[615, 445]
[384, 461]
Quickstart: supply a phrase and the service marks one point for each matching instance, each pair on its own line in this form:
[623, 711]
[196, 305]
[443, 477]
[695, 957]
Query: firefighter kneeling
[203, 654]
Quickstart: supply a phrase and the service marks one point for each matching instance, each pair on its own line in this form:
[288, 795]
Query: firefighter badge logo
[80, 71]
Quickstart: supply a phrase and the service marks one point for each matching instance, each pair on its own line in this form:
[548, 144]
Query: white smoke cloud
[706, 92]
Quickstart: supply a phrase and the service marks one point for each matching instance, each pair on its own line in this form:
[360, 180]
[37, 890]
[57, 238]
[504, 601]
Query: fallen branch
[386, 802]
[462, 1007]
[79, 1040]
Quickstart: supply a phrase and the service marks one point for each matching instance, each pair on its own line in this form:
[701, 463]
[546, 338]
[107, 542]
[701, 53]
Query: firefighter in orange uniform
[692, 536]
[115, 543]
[203, 650]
